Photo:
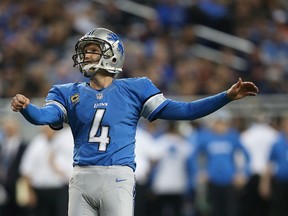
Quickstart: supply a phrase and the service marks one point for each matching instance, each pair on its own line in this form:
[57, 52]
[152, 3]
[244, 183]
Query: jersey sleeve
[41, 115]
[56, 98]
[153, 99]
[178, 110]
[53, 113]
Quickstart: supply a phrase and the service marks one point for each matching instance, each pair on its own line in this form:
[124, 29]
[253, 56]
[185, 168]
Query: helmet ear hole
[114, 60]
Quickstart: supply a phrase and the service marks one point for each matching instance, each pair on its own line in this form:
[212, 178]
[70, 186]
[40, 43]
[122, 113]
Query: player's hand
[19, 102]
[242, 89]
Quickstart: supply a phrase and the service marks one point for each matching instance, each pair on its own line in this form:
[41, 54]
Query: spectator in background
[12, 149]
[171, 15]
[215, 14]
[46, 168]
[169, 181]
[145, 159]
[190, 131]
[258, 139]
[219, 147]
[274, 181]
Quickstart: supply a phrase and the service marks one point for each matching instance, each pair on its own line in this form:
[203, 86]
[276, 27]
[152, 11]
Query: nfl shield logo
[99, 96]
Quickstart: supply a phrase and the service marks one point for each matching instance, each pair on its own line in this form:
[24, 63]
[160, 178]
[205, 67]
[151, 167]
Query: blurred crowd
[34, 174]
[213, 167]
[37, 41]
[209, 167]
[219, 166]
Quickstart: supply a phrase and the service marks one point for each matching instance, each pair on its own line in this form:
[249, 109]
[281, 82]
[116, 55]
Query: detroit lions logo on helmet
[113, 37]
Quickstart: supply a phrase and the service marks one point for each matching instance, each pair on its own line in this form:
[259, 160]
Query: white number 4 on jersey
[103, 139]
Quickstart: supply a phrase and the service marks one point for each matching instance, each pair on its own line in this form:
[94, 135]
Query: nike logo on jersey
[120, 180]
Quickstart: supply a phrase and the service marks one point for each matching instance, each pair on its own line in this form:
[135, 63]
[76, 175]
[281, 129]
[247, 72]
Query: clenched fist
[19, 102]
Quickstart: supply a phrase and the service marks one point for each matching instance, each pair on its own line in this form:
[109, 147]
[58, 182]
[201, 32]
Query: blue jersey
[279, 157]
[220, 150]
[104, 122]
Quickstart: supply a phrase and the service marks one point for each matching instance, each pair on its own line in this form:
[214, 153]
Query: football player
[103, 115]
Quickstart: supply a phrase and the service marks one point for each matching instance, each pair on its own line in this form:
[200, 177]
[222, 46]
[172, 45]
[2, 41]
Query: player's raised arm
[175, 110]
[47, 115]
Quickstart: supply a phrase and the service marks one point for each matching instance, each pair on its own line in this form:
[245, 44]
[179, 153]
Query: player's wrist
[229, 95]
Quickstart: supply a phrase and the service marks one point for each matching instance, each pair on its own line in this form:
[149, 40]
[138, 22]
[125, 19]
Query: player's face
[92, 53]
